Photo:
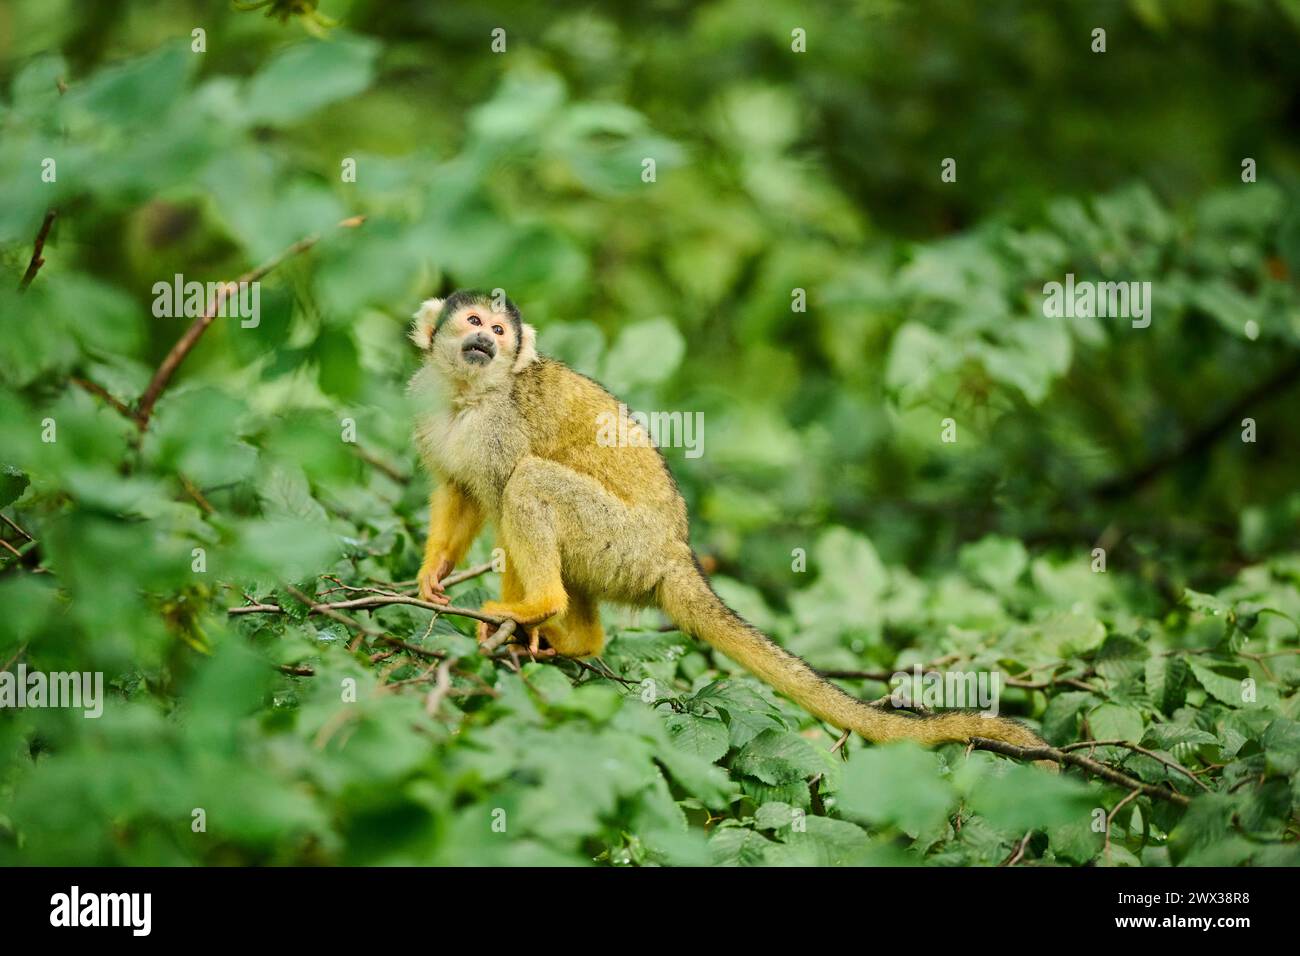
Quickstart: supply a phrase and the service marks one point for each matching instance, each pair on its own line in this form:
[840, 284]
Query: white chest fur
[473, 441]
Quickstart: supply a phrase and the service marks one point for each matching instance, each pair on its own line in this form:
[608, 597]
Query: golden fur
[512, 442]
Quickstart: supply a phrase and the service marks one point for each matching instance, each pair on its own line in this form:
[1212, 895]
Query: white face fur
[475, 344]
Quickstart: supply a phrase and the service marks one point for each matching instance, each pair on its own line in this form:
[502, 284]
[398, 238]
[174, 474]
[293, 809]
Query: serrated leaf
[1116, 722]
[706, 737]
[778, 757]
[1221, 681]
[897, 785]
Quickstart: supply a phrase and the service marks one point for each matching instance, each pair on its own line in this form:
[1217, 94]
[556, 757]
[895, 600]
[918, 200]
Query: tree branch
[94, 388]
[1199, 440]
[502, 635]
[370, 601]
[38, 259]
[1083, 763]
[1171, 764]
[184, 345]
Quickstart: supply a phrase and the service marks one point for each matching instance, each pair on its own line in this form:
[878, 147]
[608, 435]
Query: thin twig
[376, 462]
[1110, 818]
[1019, 853]
[333, 614]
[1083, 763]
[144, 406]
[94, 388]
[1172, 764]
[885, 677]
[14, 524]
[465, 575]
[440, 689]
[38, 248]
[366, 603]
[17, 654]
[192, 490]
[413, 648]
[497, 639]
[409, 587]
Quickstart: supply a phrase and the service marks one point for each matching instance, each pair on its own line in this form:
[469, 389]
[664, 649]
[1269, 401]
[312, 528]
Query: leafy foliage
[305, 739]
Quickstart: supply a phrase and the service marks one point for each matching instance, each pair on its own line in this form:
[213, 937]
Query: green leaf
[1221, 681]
[995, 561]
[12, 485]
[1024, 798]
[898, 785]
[705, 737]
[820, 841]
[737, 846]
[308, 75]
[1116, 722]
[1061, 719]
[645, 353]
[778, 757]
[1120, 658]
[340, 365]
[139, 90]
[1169, 736]
[1167, 678]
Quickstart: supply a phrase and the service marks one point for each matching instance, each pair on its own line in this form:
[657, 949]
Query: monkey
[511, 437]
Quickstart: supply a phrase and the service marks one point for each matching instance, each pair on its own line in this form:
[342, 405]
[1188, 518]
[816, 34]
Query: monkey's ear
[527, 347]
[426, 319]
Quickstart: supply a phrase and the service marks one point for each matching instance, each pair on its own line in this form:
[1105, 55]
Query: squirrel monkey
[511, 437]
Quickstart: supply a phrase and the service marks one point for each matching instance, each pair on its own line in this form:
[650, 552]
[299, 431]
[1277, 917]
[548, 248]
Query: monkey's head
[471, 335]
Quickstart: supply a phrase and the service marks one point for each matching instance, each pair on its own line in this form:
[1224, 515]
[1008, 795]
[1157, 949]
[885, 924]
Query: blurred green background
[775, 171]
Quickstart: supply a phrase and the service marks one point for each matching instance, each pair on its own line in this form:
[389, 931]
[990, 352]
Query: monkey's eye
[475, 320]
[498, 330]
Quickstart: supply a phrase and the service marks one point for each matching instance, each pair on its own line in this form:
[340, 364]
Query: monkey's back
[566, 413]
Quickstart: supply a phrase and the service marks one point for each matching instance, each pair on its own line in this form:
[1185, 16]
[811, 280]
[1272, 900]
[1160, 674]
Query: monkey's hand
[430, 579]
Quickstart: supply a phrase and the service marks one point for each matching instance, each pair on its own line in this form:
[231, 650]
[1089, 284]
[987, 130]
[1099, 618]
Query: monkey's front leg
[454, 522]
[532, 588]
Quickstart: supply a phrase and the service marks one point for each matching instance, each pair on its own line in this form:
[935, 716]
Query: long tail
[685, 596]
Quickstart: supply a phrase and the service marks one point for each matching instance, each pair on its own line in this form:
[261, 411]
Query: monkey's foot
[527, 614]
[533, 635]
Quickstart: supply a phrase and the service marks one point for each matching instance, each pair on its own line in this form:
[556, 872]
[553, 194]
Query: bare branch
[14, 524]
[1171, 764]
[379, 464]
[497, 639]
[183, 346]
[1109, 774]
[99, 391]
[38, 249]
[440, 689]
[366, 603]
[1110, 818]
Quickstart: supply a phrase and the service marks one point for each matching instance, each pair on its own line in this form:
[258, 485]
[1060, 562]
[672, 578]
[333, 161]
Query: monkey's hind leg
[577, 632]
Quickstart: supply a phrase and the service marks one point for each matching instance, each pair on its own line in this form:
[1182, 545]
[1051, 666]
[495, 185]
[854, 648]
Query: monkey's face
[473, 340]
[475, 337]
[482, 336]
